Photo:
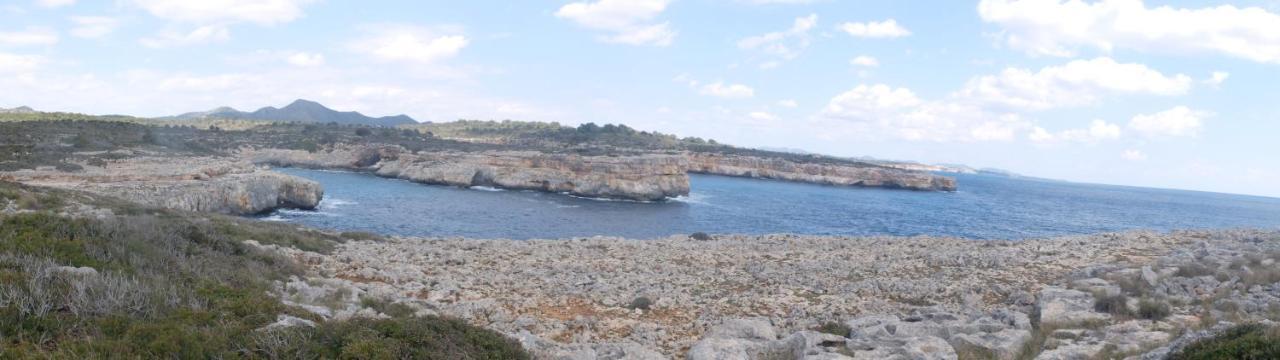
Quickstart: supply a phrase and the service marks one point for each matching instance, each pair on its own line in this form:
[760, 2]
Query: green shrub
[1116, 305]
[428, 337]
[642, 303]
[1153, 310]
[1249, 341]
[700, 236]
[834, 328]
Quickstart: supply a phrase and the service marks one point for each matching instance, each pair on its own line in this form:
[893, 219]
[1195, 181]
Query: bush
[834, 328]
[1116, 305]
[1153, 310]
[428, 337]
[700, 236]
[642, 303]
[364, 132]
[1250, 341]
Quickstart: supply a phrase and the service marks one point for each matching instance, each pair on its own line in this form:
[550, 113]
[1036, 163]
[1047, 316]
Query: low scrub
[1250, 341]
[150, 283]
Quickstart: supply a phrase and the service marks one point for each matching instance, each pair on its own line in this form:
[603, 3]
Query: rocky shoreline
[648, 177]
[751, 297]
[201, 184]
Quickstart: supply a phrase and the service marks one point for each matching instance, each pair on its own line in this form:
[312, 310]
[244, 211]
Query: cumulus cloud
[627, 21]
[1079, 82]
[865, 61]
[28, 37]
[409, 43]
[875, 29]
[305, 59]
[992, 107]
[1098, 130]
[1063, 27]
[201, 35]
[261, 12]
[784, 45]
[762, 116]
[727, 91]
[55, 3]
[788, 103]
[1217, 78]
[91, 27]
[15, 63]
[1133, 155]
[1175, 122]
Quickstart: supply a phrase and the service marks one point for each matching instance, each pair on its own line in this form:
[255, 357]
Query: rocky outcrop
[818, 173]
[215, 185]
[640, 177]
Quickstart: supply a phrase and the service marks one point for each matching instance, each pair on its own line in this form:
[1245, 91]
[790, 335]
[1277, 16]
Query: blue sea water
[986, 207]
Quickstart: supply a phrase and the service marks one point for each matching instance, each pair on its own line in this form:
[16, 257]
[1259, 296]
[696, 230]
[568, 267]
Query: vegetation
[1153, 310]
[1116, 305]
[700, 236]
[640, 303]
[154, 283]
[1249, 341]
[834, 328]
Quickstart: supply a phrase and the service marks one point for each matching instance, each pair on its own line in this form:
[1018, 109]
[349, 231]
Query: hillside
[304, 111]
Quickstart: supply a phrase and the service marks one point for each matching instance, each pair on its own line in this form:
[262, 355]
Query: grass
[1151, 309]
[834, 328]
[168, 284]
[1249, 341]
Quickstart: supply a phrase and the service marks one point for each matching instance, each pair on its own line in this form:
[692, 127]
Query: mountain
[299, 111]
[17, 110]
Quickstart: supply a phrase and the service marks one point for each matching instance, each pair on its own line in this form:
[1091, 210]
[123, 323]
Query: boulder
[1067, 308]
[1004, 345]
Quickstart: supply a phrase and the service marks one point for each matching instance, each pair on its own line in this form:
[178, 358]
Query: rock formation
[641, 177]
[215, 185]
[816, 173]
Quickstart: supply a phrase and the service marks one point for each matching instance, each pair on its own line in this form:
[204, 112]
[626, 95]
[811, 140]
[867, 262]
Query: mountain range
[299, 111]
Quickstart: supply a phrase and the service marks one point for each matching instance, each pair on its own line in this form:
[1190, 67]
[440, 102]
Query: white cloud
[1061, 28]
[788, 103]
[1080, 82]
[628, 21]
[1217, 78]
[14, 63]
[785, 45]
[410, 43]
[864, 60]
[91, 27]
[762, 116]
[1133, 155]
[1178, 121]
[1098, 130]
[55, 3]
[306, 59]
[204, 12]
[730, 91]
[875, 29]
[866, 103]
[28, 37]
[201, 35]
[192, 83]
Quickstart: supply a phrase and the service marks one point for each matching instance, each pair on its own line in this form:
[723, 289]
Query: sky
[1171, 94]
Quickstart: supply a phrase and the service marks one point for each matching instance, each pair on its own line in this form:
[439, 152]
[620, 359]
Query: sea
[985, 207]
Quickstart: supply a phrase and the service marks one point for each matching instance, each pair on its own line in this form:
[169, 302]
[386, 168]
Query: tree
[364, 132]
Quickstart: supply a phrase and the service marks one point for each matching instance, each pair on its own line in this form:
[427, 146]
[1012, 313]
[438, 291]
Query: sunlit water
[986, 207]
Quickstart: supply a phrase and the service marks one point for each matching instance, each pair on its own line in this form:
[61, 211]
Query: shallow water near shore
[986, 207]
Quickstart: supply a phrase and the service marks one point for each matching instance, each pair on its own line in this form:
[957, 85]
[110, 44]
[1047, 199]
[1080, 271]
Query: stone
[287, 321]
[922, 348]
[1061, 307]
[750, 329]
[1150, 276]
[1005, 344]
[818, 173]
[82, 271]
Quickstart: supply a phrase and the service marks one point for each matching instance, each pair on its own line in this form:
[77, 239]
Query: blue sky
[1177, 94]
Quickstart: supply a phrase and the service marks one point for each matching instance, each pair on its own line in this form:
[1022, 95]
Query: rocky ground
[733, 297]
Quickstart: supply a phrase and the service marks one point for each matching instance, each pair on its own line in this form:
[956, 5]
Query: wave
[299, 213]
[486, 188]
[275, 218]
[334, 203]
[692, 198]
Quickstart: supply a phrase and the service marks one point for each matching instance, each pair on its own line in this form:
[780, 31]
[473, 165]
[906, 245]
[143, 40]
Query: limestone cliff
[827, 174]
[193, 184]
[641, 177]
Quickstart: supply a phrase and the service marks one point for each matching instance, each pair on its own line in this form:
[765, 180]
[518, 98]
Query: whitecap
[334, 203]
[692, 198]
[275, 218]
[486, 188]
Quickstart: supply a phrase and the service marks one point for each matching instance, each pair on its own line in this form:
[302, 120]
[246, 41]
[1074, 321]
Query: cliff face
[827, 174]
[643, 178]
[192, 184]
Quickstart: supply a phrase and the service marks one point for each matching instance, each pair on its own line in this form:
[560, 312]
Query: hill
[300, 110]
